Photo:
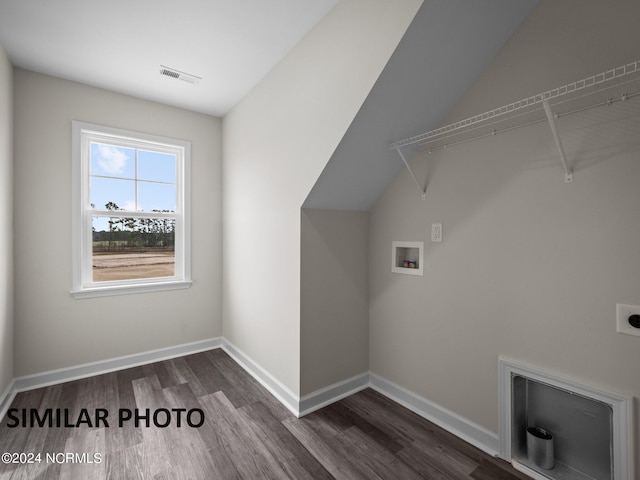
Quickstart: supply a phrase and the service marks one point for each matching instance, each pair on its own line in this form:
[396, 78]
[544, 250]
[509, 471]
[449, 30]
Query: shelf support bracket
[568, 174]
[406, 164]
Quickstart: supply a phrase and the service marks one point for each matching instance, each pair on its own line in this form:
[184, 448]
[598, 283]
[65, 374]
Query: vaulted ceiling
[447, 46]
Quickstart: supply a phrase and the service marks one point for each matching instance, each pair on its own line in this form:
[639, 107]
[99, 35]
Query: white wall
[276, 143]
[6, 221]
[334, 283]
[530, 267]
[53, 330]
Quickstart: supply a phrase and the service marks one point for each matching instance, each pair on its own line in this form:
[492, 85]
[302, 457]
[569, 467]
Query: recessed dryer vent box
[407, 258]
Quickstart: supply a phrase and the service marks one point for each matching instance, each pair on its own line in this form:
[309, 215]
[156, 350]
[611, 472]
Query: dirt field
[126, 266]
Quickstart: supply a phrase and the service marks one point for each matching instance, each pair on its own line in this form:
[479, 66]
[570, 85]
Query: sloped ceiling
[444, 50]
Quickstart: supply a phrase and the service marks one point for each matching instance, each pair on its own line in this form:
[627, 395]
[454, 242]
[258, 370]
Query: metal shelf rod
[406, 163]
[608, 102]
[594, 80]
[568, 174]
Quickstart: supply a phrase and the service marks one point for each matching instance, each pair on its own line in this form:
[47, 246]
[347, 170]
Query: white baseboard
[61, 375]
[268, 381]
[328, 395]
[470, 432]
[6, 398]
[467, 430]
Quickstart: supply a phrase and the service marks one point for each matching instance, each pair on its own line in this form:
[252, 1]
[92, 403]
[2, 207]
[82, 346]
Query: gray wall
[53, 330]
[6, 222]
[530, 267]
[334, 283]
[276, 143]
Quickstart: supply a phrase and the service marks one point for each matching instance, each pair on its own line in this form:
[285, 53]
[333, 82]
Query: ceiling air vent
[173, 73]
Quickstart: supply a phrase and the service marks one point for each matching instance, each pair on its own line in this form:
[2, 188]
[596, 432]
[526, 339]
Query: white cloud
[113, 160]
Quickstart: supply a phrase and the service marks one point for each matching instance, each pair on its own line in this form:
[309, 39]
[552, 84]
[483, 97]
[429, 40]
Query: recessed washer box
[407, 258]
[592, 428]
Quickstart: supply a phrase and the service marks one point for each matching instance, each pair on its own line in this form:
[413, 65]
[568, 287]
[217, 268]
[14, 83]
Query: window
[130, 212]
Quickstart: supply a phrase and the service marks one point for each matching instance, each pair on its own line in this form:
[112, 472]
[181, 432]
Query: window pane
[119, 174]
[112, 161]
[156, 166]
[156, 196]
[130, 248]
[117, 194]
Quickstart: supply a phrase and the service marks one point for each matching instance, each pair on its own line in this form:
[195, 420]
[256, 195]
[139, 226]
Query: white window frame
[83, 286]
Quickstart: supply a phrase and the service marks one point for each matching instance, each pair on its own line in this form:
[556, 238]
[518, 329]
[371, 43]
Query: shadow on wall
[524, 256]
[334, 343]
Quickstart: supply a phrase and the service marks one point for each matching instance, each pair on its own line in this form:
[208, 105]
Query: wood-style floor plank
[87, 444]
[189, 453]
[248, 458]
[156, 452]
[340, 412]
[125, 464]
[372, 458]
[324, 449]
[295, 460]
[490, 469]
[247, 433]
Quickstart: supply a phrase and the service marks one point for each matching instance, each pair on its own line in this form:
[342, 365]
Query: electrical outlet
[623, 312]
[436, 232]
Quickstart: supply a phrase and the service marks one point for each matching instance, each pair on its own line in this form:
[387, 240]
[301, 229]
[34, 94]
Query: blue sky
[143, 184]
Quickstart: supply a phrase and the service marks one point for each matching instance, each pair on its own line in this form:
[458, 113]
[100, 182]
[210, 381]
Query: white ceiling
[120, 44]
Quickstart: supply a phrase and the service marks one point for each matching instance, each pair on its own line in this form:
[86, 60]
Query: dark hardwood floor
[246, 434]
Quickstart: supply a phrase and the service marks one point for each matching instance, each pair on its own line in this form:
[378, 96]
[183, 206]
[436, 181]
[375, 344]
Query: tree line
[131, 232]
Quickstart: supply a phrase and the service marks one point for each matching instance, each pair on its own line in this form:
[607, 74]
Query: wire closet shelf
[603, 89]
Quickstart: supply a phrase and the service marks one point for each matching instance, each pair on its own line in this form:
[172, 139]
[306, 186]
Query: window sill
[111, 290]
